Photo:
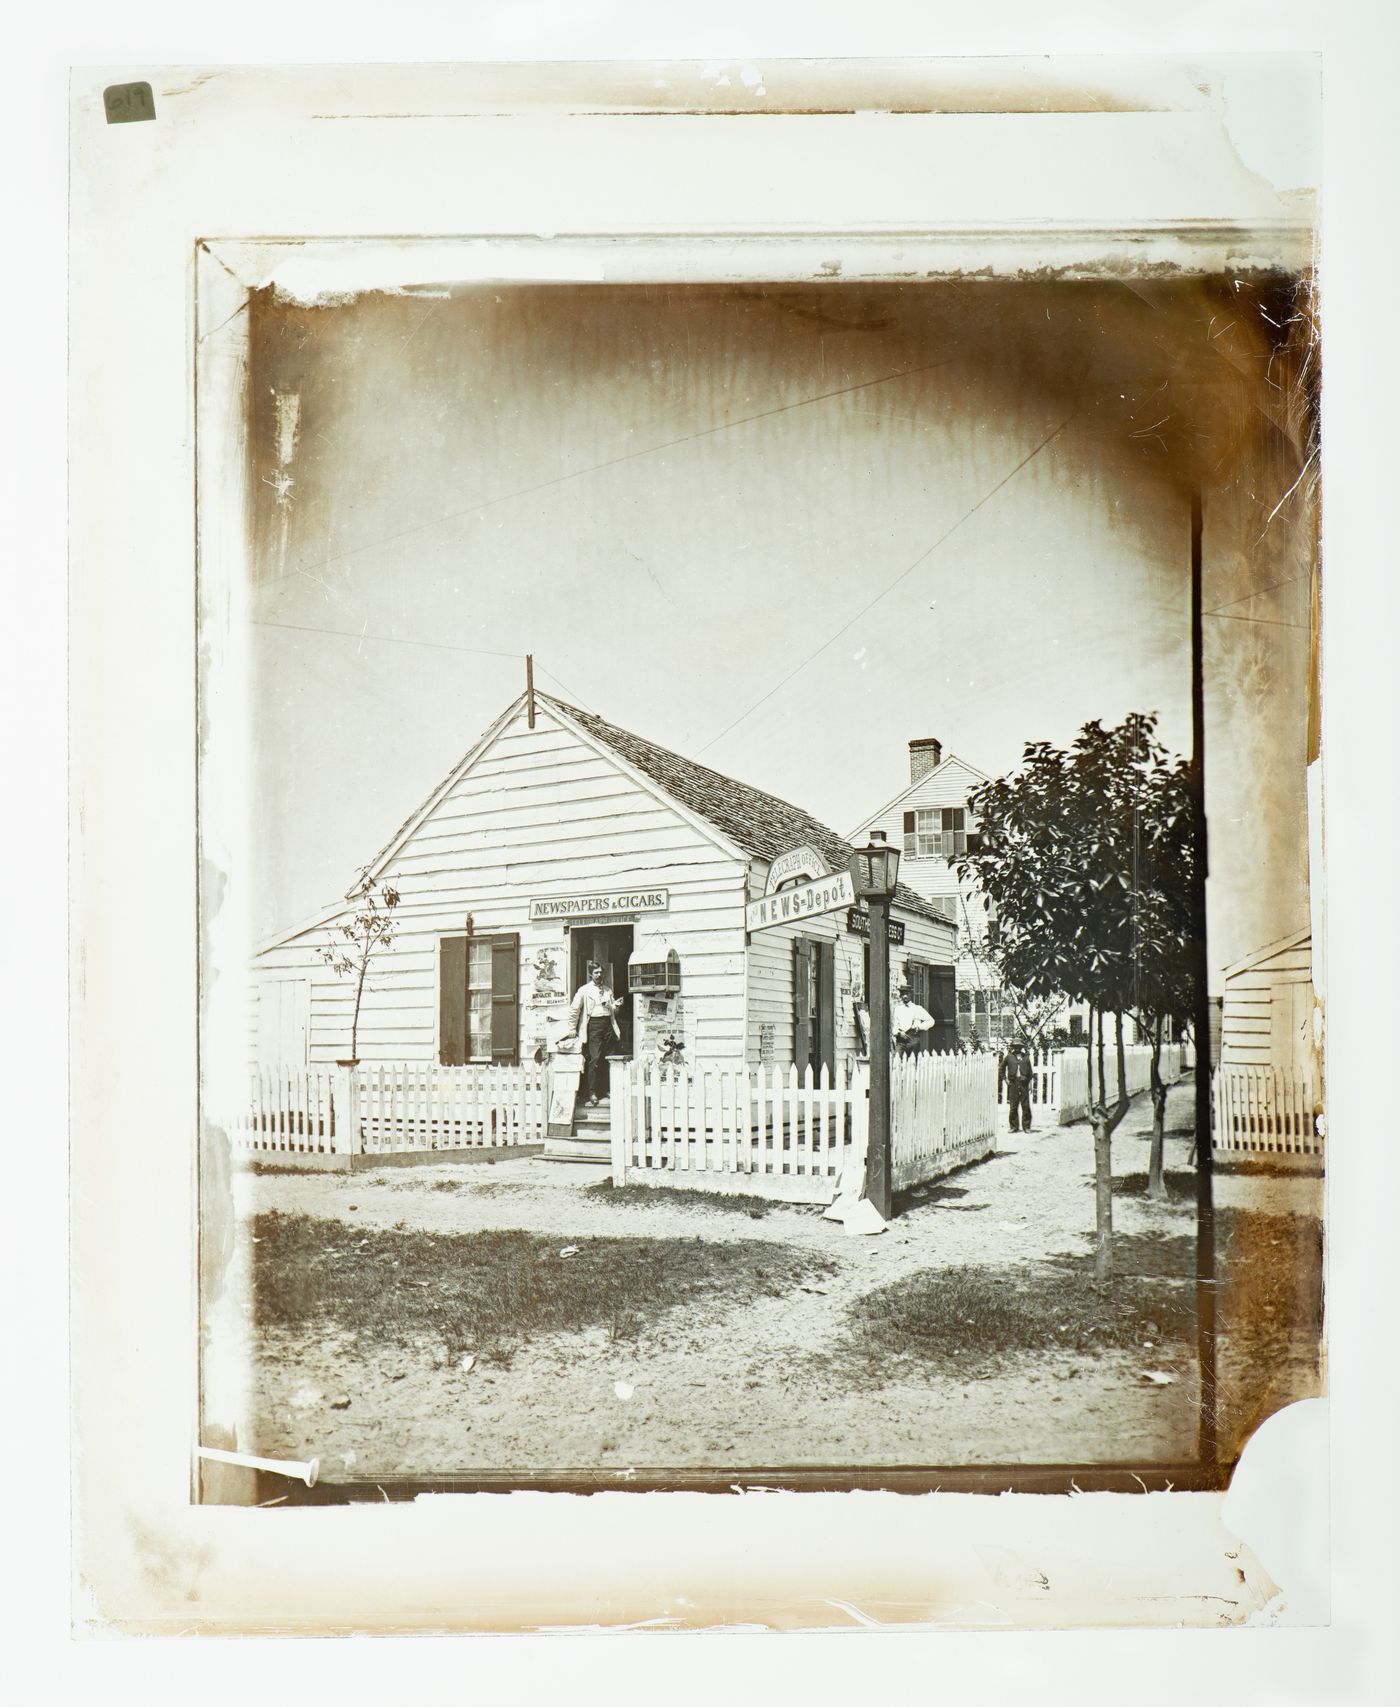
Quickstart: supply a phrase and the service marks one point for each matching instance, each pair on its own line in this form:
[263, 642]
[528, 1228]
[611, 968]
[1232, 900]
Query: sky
[781, 529]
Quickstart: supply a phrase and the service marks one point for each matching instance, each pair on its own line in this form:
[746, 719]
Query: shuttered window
[940, 832]
[479, 1000]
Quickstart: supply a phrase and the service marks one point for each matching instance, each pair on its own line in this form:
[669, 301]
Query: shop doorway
[611, 947]
[814, 1006]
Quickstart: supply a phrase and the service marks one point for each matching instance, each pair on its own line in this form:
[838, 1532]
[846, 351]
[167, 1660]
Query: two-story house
[930, 821]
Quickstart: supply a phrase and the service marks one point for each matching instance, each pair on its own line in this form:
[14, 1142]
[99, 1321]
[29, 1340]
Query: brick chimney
[924, 756]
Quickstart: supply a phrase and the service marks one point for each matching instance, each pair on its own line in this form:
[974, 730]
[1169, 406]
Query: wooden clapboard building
[561, 839]
[1267, 1017]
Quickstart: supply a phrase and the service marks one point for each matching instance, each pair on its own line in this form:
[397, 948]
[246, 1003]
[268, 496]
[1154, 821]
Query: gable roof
[923, 782]
[759, 823]
[1299, 939]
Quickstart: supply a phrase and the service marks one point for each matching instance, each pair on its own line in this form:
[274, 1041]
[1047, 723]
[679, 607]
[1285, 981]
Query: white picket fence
[289, 1110]
[724, 1128]
[795, 1136]
[1264, 1111]
[390, 1109]
[420, 1106]
[1060, 1077]
[943, 1114]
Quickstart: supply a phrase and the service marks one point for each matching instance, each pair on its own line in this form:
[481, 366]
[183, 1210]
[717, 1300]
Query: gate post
[346, 1139]
[619, 1111]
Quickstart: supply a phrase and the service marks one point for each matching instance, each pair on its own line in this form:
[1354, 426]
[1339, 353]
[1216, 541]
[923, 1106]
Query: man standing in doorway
[1016, 1073]
[911, 1025]
[593, 1013]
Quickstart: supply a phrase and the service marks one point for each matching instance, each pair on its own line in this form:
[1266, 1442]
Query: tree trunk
[1156, 1181]
[1105, 1121]
[1103, 1085]
[355, 1017]
[1103, 1194]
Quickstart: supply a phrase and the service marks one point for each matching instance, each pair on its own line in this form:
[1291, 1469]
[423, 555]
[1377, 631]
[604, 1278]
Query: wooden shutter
[801, 1002]
[826, 1007]
[452, 1001]
[505, 1000]
[910, 839]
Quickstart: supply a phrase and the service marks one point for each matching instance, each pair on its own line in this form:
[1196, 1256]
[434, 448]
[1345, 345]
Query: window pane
[479, 966]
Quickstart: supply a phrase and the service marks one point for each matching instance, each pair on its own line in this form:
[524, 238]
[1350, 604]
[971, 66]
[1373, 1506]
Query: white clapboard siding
[538, 813]
[1266, 1110]
[728, 1128]
[1266, 1012]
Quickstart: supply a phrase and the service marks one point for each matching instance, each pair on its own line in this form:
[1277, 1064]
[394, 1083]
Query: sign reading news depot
[593, 906]
[804, 901]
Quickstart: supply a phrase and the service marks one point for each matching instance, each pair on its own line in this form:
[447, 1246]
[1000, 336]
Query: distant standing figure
[1016, 1070]
[593, 1013]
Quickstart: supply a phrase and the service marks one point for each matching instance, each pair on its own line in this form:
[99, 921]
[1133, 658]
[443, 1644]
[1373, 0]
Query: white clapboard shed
[569, 840]
[1267, 1014]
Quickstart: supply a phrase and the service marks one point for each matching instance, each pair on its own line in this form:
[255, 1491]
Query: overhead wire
[903, 575]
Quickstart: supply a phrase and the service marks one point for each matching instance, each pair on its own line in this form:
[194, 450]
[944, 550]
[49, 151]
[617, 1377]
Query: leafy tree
[369, 929]
[1085, 854]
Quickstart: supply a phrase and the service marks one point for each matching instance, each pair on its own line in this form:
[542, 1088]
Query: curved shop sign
[805, 901]
[803, 862]
[611, 901]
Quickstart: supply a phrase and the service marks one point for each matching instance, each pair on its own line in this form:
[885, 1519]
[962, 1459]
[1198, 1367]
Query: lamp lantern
[875, 869]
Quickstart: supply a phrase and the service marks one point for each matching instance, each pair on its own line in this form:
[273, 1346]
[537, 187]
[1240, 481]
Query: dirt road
[745, 1388]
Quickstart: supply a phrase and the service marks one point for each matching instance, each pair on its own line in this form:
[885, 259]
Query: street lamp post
[874, 871]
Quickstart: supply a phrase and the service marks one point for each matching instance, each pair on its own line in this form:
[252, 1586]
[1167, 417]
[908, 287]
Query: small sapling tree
[369, 929]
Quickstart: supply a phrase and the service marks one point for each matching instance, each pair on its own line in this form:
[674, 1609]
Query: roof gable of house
[740, 817]
[947, 784]
[1289, 951]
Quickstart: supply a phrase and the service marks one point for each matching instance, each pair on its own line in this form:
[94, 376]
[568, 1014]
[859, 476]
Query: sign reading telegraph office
[591, 906]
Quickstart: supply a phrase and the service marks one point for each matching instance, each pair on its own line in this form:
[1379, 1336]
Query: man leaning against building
[593, 1013]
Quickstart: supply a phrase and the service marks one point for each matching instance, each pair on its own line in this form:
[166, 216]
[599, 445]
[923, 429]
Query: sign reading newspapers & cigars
[607, 905]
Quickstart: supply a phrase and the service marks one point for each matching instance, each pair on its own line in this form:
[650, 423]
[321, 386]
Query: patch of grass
[493, 1292]
[276, 1168]
[683, 1198]
[1261, 1167]
[966, 1321]
[1269, 1317]
[1181, 1187]
[970, 1321]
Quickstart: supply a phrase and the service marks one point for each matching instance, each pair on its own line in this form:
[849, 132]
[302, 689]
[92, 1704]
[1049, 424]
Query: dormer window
[939, 832]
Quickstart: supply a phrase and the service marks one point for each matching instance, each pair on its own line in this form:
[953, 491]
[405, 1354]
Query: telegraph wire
[614, 462]
[902, 576]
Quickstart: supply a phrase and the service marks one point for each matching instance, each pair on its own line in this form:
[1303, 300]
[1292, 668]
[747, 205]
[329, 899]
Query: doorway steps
[591, 1141]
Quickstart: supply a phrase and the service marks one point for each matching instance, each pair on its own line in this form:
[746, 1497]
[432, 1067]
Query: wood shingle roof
[759, 823]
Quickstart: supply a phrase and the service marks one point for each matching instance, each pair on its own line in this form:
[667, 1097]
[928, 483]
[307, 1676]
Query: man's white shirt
[595, 1001]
